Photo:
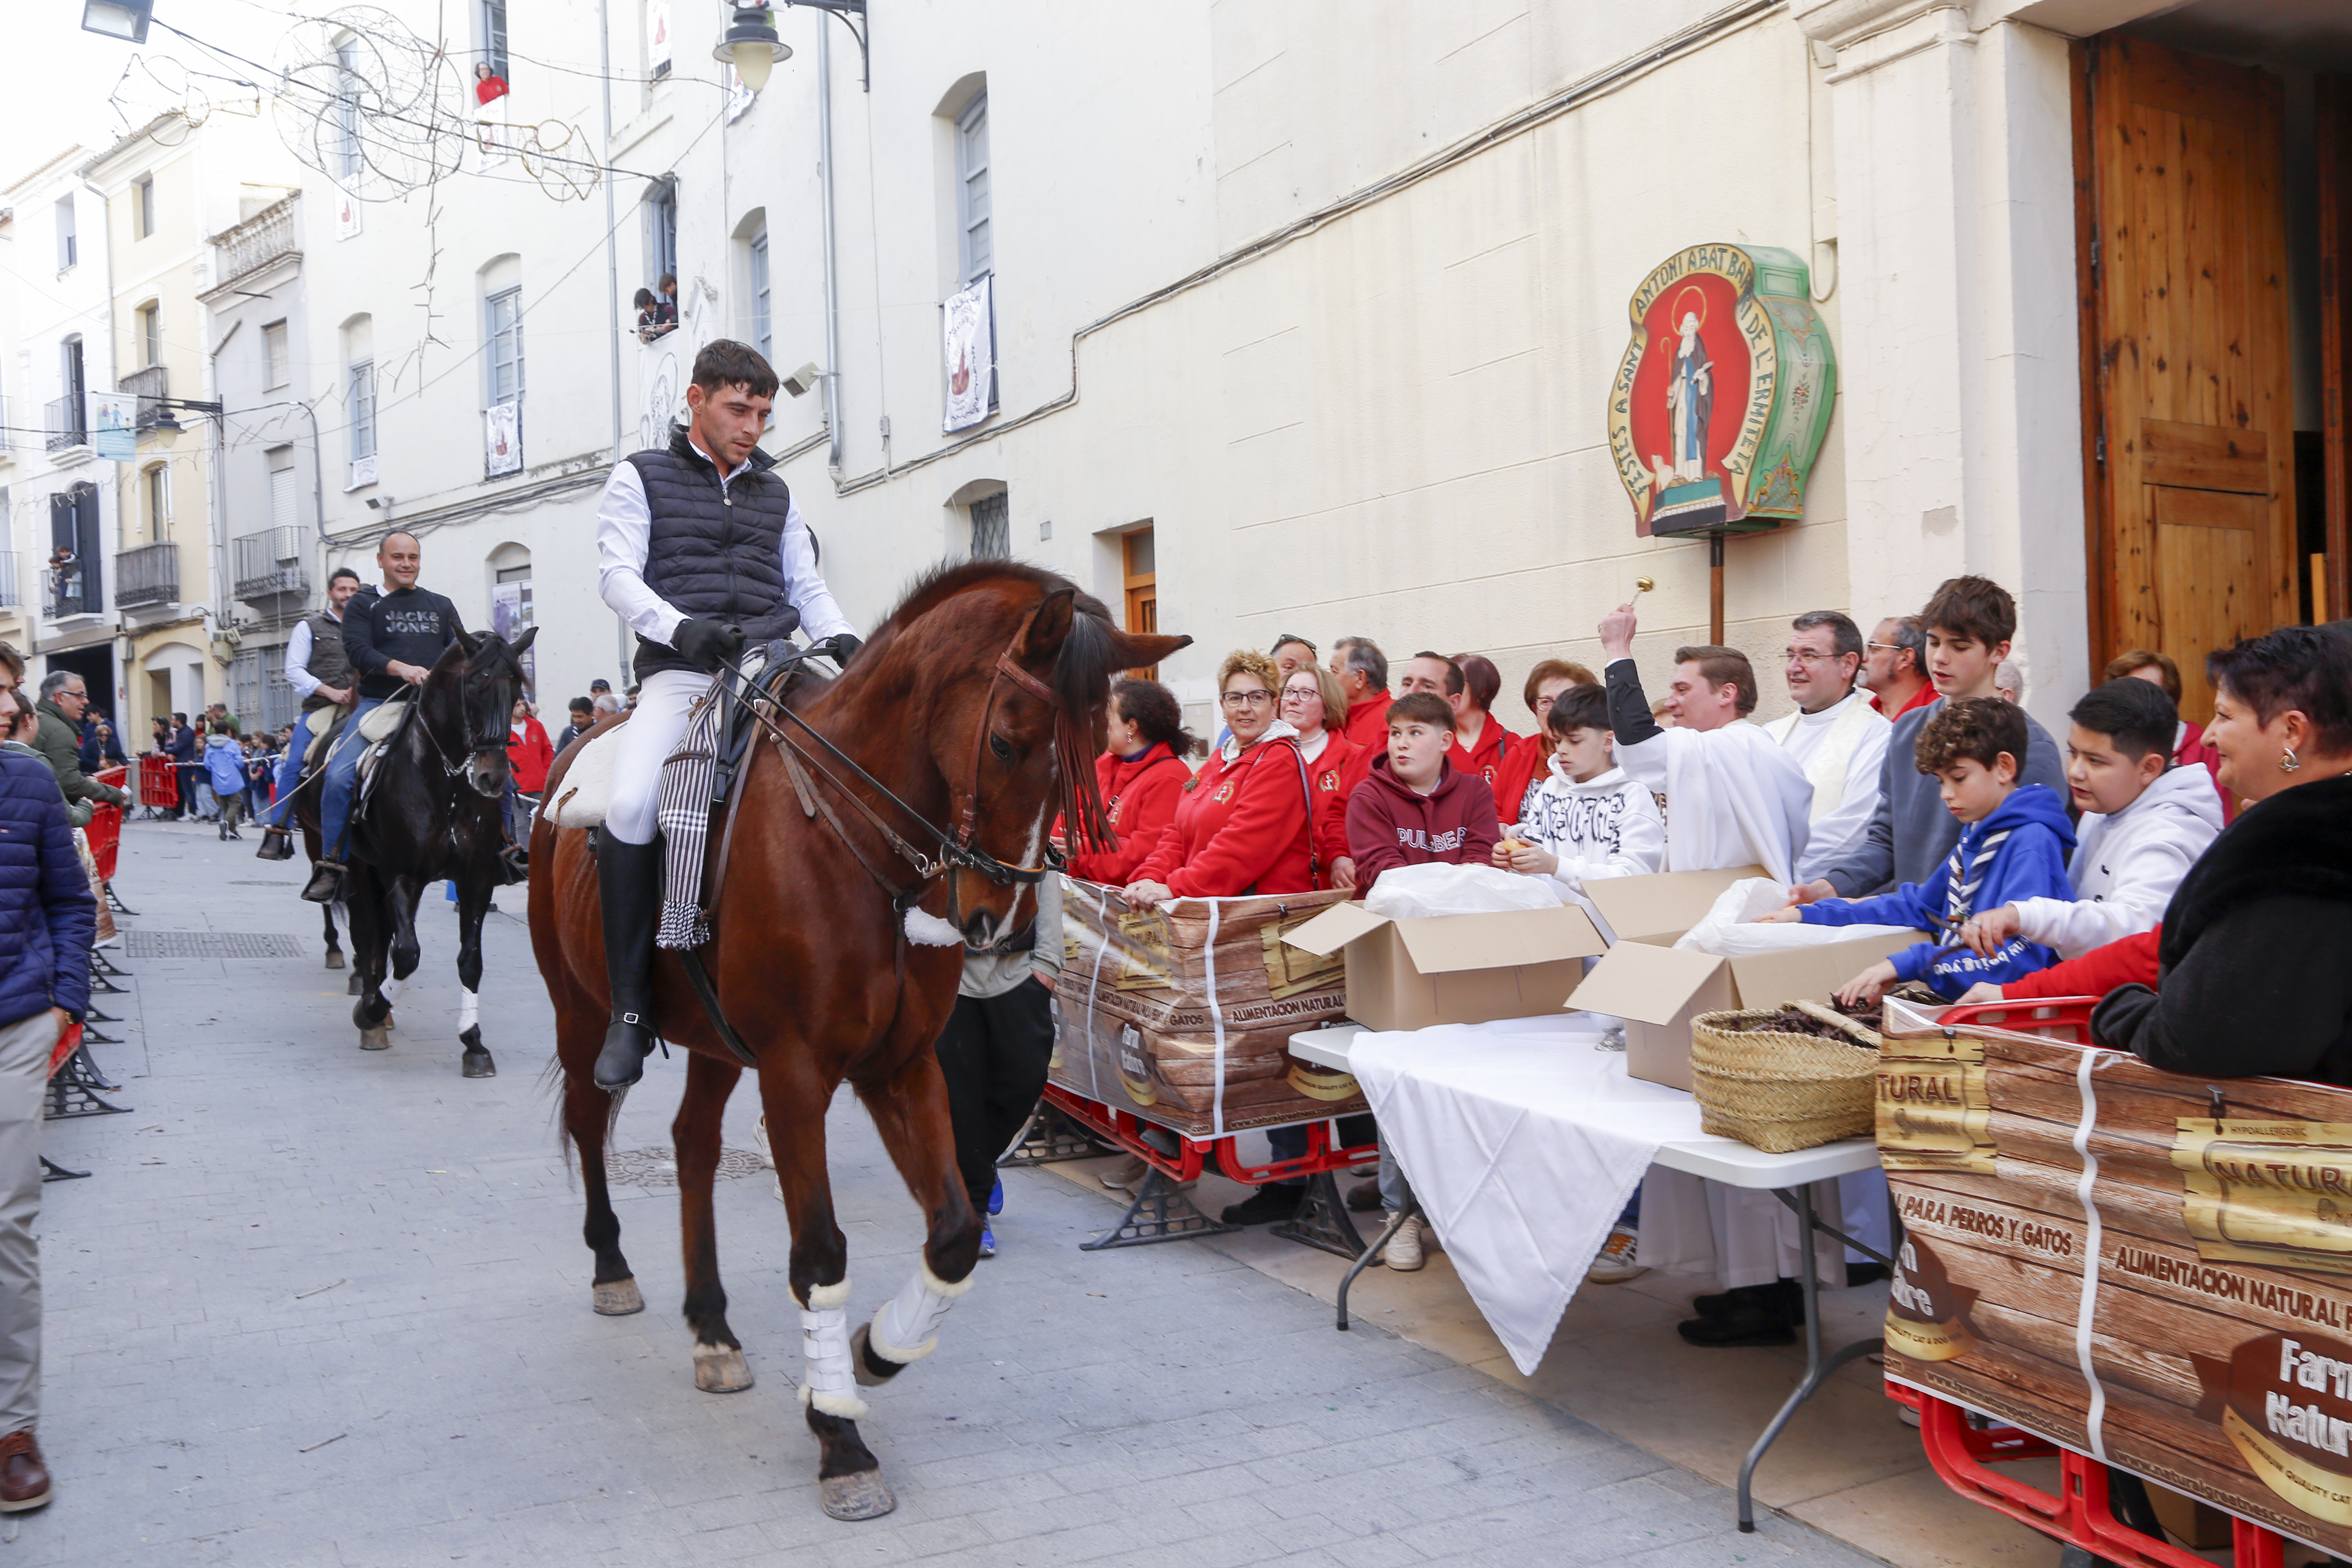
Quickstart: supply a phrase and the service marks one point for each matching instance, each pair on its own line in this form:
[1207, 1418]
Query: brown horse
[973, 715]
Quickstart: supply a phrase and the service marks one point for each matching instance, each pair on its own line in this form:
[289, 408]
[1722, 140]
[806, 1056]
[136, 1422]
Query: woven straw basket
[1779, 1092]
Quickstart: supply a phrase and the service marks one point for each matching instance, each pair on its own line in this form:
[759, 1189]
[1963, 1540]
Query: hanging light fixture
[125, 19]
[751, 46]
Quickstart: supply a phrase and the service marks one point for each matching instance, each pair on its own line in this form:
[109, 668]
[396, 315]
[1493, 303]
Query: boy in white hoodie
[2145, 823]
[1591, 819]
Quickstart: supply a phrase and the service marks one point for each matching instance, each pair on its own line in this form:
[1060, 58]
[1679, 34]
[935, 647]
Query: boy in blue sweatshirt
[2014, 841]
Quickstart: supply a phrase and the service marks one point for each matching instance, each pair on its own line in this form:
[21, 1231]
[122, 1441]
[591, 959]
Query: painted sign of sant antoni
[2152, 1271]
[1722, 400]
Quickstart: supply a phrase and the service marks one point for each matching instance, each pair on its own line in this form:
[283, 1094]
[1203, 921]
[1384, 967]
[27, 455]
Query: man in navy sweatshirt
[392, 634]
[2013, 844]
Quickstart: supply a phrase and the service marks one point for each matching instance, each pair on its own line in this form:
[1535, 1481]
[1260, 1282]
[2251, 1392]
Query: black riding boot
[628, 884]
[326, 883]
[276, 844]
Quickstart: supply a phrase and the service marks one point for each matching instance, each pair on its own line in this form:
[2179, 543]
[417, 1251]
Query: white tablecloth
[1522, 1143]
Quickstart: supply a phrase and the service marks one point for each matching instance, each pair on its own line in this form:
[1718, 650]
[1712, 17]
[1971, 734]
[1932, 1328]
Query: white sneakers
[1403, 1252]
[1615, 1264]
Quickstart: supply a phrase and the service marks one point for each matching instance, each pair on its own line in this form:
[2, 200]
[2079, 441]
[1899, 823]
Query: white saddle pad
[315, 724]
[381, 719]
[587, 789]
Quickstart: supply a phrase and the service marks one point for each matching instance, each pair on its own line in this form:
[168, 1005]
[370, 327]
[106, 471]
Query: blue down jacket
[2018, 852]
[46, 915]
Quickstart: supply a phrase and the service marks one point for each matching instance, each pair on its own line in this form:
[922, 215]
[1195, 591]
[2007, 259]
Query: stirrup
[326, 884]
[514, 865]
[628, 1041]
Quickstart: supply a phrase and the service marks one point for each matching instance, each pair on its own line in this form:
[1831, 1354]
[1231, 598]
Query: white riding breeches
[646, 741]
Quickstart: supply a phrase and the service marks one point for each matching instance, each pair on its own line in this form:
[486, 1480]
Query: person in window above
[701, 550]
[392, 634]
[1968, 622]
[2012, 846]
[2253, 978]
[1141, 773]
[1412, 806]
[1525, 767]
[1588, 818]
[2189, 747]
[1835, 735]
[488, 85]
[1363, 674]
[1312, 705]
[2144, 824]
[1243, 823]
[320, 674]
[1732, 797]
[654, 317]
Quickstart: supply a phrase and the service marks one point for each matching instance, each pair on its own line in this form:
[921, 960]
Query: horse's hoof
[862, 1360]
[478, 1064]
[863, 1494]
[375, 1039]
[721, 1369]
[356, 986]
[334, 958]
[617, 1299]
[388, 1021]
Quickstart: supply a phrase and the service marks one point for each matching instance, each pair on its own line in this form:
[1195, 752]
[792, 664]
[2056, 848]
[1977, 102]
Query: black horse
[433, 814]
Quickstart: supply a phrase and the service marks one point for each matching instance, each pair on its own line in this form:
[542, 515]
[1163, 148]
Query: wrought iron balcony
[267, 236]
[149, 575]
[271, 566]
[68, 424]
[10, 597]
[150, 387]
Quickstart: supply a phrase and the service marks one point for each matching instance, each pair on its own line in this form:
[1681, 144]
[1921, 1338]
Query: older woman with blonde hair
[1243, 826]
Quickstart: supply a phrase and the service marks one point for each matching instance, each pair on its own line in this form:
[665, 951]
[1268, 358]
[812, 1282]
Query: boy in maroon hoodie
[1412, 807]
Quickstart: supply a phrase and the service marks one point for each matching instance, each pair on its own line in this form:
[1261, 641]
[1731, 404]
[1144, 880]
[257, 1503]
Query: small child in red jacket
[1412, 807]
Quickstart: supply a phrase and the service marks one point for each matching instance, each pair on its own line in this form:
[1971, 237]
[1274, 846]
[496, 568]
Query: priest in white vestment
[1835, 735]
[1734, 797]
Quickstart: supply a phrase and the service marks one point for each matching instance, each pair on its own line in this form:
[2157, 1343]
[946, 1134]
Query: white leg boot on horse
[628, 884]
[906, 1328]
[830, 1389]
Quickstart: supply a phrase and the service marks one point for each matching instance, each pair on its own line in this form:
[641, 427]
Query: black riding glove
[841, 647]
[707, 643]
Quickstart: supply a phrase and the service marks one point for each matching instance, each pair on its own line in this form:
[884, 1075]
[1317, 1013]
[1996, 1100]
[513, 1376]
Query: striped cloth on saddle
[684, 813]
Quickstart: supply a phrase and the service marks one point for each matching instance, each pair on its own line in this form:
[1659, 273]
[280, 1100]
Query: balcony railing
[149, 575]
[11, 597]
[72, 590]
[150, 387]
[69, 426]
[267, 236]
[271, 564]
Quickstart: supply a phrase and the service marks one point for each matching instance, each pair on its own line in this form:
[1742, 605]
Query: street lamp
[750, 43]
[123, 20]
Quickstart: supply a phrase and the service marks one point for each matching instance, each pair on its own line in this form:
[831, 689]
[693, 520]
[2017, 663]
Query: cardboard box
[1453, 969]
[1658, 989]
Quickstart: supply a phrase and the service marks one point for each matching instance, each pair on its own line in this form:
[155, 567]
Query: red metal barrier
[1193, 1156]
[2066, 1018]
[159, 786]
[105, 830]
[1964, 1456]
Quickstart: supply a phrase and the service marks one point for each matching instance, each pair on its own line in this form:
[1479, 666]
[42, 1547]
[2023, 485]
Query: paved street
[321, 1307]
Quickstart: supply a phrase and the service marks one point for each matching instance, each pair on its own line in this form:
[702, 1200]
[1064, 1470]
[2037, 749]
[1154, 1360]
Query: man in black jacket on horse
[701, 550]
[392, 634]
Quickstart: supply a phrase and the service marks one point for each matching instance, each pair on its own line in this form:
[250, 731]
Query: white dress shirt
[297, 659]
[624, 529]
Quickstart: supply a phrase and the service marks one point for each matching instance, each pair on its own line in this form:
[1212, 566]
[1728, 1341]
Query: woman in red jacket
[1143, 775]
[1242, 824]
[1312, 705]
[530, 755]
[1528, 763]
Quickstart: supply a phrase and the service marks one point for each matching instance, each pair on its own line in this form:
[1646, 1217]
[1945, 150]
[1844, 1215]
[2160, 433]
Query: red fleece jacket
[1523, 769]
[1389, 824]
[1495, 744]
[2128, 962]
[1240, 827]
[1139, 795]
[1334, 776]
[1368, 722]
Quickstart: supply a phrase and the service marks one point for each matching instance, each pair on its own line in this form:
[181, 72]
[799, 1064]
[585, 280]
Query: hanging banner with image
[114, 424]
[511, 615]
[657, 37]
[502, 439]
[970, 342]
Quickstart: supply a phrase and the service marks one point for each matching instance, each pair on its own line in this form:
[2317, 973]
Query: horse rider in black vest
[701, 551]
[320, 675]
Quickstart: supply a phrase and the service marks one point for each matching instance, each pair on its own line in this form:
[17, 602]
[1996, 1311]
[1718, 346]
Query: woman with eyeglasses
[1242, 824]
[1312, 705]
[1526, 766]
[1141, 773]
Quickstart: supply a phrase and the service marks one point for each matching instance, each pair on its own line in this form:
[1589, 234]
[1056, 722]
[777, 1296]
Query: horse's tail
[552, 1081]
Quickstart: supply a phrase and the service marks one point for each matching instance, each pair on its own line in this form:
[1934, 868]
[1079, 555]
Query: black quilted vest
[328, 662]
[714, 553]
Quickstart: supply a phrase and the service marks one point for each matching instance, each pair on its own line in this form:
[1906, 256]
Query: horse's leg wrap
[469, 1010]
[830, 1386]
[906, 1328]
[390, 990]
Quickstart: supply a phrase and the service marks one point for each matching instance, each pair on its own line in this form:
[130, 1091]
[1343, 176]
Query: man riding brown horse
[701, 550]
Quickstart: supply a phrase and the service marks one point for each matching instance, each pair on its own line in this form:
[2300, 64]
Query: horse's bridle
[485, 744]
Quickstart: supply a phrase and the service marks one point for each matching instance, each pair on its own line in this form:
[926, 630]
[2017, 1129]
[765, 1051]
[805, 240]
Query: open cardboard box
[1658, 989]
[1453, 969]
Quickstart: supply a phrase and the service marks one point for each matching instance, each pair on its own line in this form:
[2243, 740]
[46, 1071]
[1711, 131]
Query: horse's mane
[1090, 656]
